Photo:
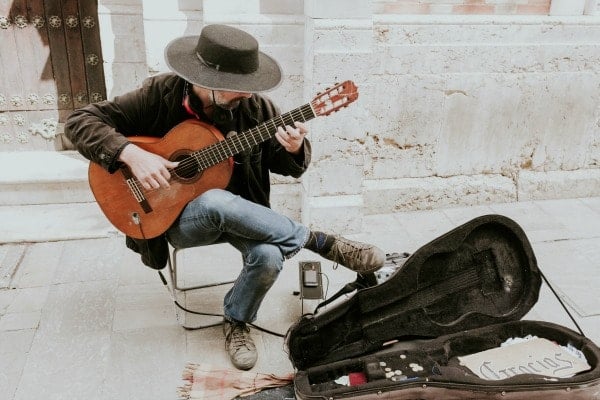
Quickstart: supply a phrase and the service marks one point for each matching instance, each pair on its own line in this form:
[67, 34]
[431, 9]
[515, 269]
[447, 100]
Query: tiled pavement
[83, 319]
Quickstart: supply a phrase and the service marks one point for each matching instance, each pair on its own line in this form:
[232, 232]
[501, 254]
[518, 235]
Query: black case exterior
[471, 285]
[444, 378]
[481, 273]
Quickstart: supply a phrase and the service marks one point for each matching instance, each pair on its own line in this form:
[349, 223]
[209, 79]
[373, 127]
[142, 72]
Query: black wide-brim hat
[223, 58]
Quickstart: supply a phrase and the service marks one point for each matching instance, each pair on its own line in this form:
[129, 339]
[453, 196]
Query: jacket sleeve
[280, 160]
[99, 131]
[285, 163]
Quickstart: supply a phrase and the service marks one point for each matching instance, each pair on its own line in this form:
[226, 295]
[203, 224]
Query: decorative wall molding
[46, 128]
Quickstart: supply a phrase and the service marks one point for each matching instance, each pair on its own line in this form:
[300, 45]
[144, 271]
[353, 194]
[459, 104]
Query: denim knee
[268, 259]
[213, 199]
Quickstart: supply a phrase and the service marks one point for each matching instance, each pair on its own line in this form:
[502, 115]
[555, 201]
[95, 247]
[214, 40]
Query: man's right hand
[150, 169]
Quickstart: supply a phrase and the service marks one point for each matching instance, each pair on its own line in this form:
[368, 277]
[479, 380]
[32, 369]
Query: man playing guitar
[213, 88]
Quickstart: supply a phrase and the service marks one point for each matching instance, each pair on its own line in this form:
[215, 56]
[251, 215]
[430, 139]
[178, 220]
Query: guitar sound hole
[187, 168]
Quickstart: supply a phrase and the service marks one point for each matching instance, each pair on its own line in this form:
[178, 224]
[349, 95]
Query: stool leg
[172, 263]
[176, 290]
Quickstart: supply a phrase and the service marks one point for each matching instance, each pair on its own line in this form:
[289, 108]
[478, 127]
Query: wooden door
[50, 63]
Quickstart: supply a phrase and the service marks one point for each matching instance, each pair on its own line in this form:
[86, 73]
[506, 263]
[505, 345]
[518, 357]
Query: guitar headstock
[332, 99]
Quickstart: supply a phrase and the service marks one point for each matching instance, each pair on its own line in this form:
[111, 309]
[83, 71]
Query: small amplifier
[311, 280]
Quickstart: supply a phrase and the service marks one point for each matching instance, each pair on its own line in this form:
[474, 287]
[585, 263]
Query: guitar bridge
[137, 192]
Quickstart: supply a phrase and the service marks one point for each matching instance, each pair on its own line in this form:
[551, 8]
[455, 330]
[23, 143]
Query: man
[215, 78]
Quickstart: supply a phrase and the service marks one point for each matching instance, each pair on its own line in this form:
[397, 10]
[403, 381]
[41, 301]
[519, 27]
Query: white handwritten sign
[536, 356]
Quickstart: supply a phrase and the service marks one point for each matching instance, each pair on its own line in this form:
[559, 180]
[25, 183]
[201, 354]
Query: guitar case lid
[481, 273]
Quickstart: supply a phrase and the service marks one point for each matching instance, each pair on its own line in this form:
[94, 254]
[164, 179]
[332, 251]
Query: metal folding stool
[176, 289]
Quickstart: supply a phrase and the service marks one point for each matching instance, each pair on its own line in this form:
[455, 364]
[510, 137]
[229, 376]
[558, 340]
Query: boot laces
[238, 336]
[348, 250]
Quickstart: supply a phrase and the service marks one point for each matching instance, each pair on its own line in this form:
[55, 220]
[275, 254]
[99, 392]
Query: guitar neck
[234, 144]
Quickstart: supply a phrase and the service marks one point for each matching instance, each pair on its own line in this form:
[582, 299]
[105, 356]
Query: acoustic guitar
[205, 162]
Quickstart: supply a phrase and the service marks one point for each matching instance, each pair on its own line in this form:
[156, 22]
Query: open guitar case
[463, 293]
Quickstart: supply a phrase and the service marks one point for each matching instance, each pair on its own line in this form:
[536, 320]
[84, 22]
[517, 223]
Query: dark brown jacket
[99, 132]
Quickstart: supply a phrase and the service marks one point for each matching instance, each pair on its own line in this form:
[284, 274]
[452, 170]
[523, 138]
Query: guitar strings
[212, 154]
[216, 152]
[220, 151]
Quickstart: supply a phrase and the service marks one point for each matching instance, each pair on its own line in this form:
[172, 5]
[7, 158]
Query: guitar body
[205, 162]
[145, 214]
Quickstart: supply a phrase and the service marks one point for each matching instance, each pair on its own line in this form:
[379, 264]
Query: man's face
[229, 100]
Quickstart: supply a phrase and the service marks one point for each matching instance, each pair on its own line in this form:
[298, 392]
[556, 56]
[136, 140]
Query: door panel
[51, 62]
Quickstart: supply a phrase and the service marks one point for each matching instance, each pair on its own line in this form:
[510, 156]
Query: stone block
[10, 258]
[338, 36]
[592, 7]
[46, 193]
[120, 21]
[558, 184]
[287, 199]
[183, 9]
[56, 360]
[348, 124]
[124, 77]
[50, 222]
[336, 9]
[330, 145]
[288, 95]
[333, 213]
[29, 274]
[507, 30]
[274, 30]
[342, 65]
[293, 7]
[157, 40]
[232, 7]
[128, 49]
[475, 58]
[567, 7]
[405, 115]
[120, 3]
[337, 177]
[14, 347]
[516, 121]
[289, 56]
[395, 195]
[389, 160]
[42, 177]
[20, 321]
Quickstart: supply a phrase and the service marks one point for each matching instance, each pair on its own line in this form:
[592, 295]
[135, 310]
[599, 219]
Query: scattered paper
[535, 356]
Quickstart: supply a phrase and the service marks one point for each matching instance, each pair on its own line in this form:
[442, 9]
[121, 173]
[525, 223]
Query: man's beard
[230, 105]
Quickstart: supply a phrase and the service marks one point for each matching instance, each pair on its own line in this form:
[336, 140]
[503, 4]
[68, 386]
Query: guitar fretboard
[220, 151]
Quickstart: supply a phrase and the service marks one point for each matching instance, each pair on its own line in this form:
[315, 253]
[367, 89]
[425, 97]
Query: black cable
[194, 328]
[137, 221]
[266, 330]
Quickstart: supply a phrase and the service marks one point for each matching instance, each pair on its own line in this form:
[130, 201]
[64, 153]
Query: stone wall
[454, 109]
[461, 7]
[490, 104]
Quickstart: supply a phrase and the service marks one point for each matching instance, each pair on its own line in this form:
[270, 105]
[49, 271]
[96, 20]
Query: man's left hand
[292, 138]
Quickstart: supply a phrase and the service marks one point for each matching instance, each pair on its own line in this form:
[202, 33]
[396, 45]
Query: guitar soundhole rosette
[188, 169]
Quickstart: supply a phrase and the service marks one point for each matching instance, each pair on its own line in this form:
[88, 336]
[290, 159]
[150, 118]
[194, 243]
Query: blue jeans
[264, 237]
